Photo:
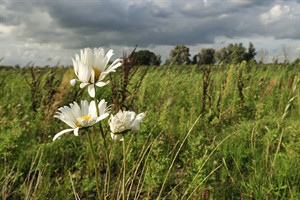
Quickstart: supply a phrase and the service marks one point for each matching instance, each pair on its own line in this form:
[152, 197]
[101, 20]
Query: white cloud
[206, 3]
[6, 31]
[275, 14]
[161, 3]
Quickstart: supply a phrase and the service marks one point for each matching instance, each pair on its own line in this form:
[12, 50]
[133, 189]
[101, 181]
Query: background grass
[245, 141]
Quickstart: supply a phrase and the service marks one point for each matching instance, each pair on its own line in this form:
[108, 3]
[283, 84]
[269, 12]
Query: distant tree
[238, 53]
[250, 55]
[157, 60]
[223, 55]
[235, 53]
[195, 60]
[297, 61]
[179, 56]
[145, 57]
[167, 62]
[206, 56]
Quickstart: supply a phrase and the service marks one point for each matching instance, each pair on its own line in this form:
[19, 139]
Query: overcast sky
[48, 31]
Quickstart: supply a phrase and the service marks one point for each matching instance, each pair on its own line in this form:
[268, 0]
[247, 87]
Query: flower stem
[107, 178]
[95, 165]
[107, 182]
[124, 169]
[98, 114]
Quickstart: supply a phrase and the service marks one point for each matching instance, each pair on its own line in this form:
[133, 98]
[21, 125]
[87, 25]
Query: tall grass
[246, 142]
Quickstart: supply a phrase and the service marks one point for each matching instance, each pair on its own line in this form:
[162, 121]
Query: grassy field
[210, 132]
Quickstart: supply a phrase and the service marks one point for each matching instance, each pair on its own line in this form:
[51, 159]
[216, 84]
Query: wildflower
[81, 116]
[124, 121]
[91, 68]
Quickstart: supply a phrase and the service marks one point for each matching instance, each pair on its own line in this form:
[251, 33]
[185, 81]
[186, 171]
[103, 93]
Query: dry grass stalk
[205, 194]
[34, 83]
[123, 90]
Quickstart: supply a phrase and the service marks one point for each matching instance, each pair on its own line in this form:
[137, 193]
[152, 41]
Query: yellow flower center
[97, 73]
[86, 118]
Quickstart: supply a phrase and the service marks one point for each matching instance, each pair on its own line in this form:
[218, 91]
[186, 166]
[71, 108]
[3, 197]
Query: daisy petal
[76, 131]
[108, 55]
[102, 117]
[73, 82]
[140, 116]
[82, 85]
[101, 84]
[61, 133]
[116, 137]
[91, 90]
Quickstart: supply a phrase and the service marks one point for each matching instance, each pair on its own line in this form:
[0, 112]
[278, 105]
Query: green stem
[107, 179]
[107, 183]
[95, 165]
[124, 169]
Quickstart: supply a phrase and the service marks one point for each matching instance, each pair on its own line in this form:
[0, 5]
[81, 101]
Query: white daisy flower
[124, 121]
[91, 68]
[81, 116]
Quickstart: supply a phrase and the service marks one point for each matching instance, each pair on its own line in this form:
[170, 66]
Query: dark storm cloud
[188, 22]
[105, 16]
[85, 22]
[73, 24]
[85, 15]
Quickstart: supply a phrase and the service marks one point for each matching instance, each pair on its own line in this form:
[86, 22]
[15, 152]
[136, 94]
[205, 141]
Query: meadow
[210, 132]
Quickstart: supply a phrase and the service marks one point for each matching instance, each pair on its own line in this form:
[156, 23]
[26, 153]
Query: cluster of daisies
[91, 67]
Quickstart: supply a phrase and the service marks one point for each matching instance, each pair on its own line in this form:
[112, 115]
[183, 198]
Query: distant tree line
[145, 57]
[230, 54]
[233, 53]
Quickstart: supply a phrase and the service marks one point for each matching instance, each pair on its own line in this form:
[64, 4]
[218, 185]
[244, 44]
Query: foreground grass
[246, 140]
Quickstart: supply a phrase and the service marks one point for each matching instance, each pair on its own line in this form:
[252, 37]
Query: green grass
[245, 141]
